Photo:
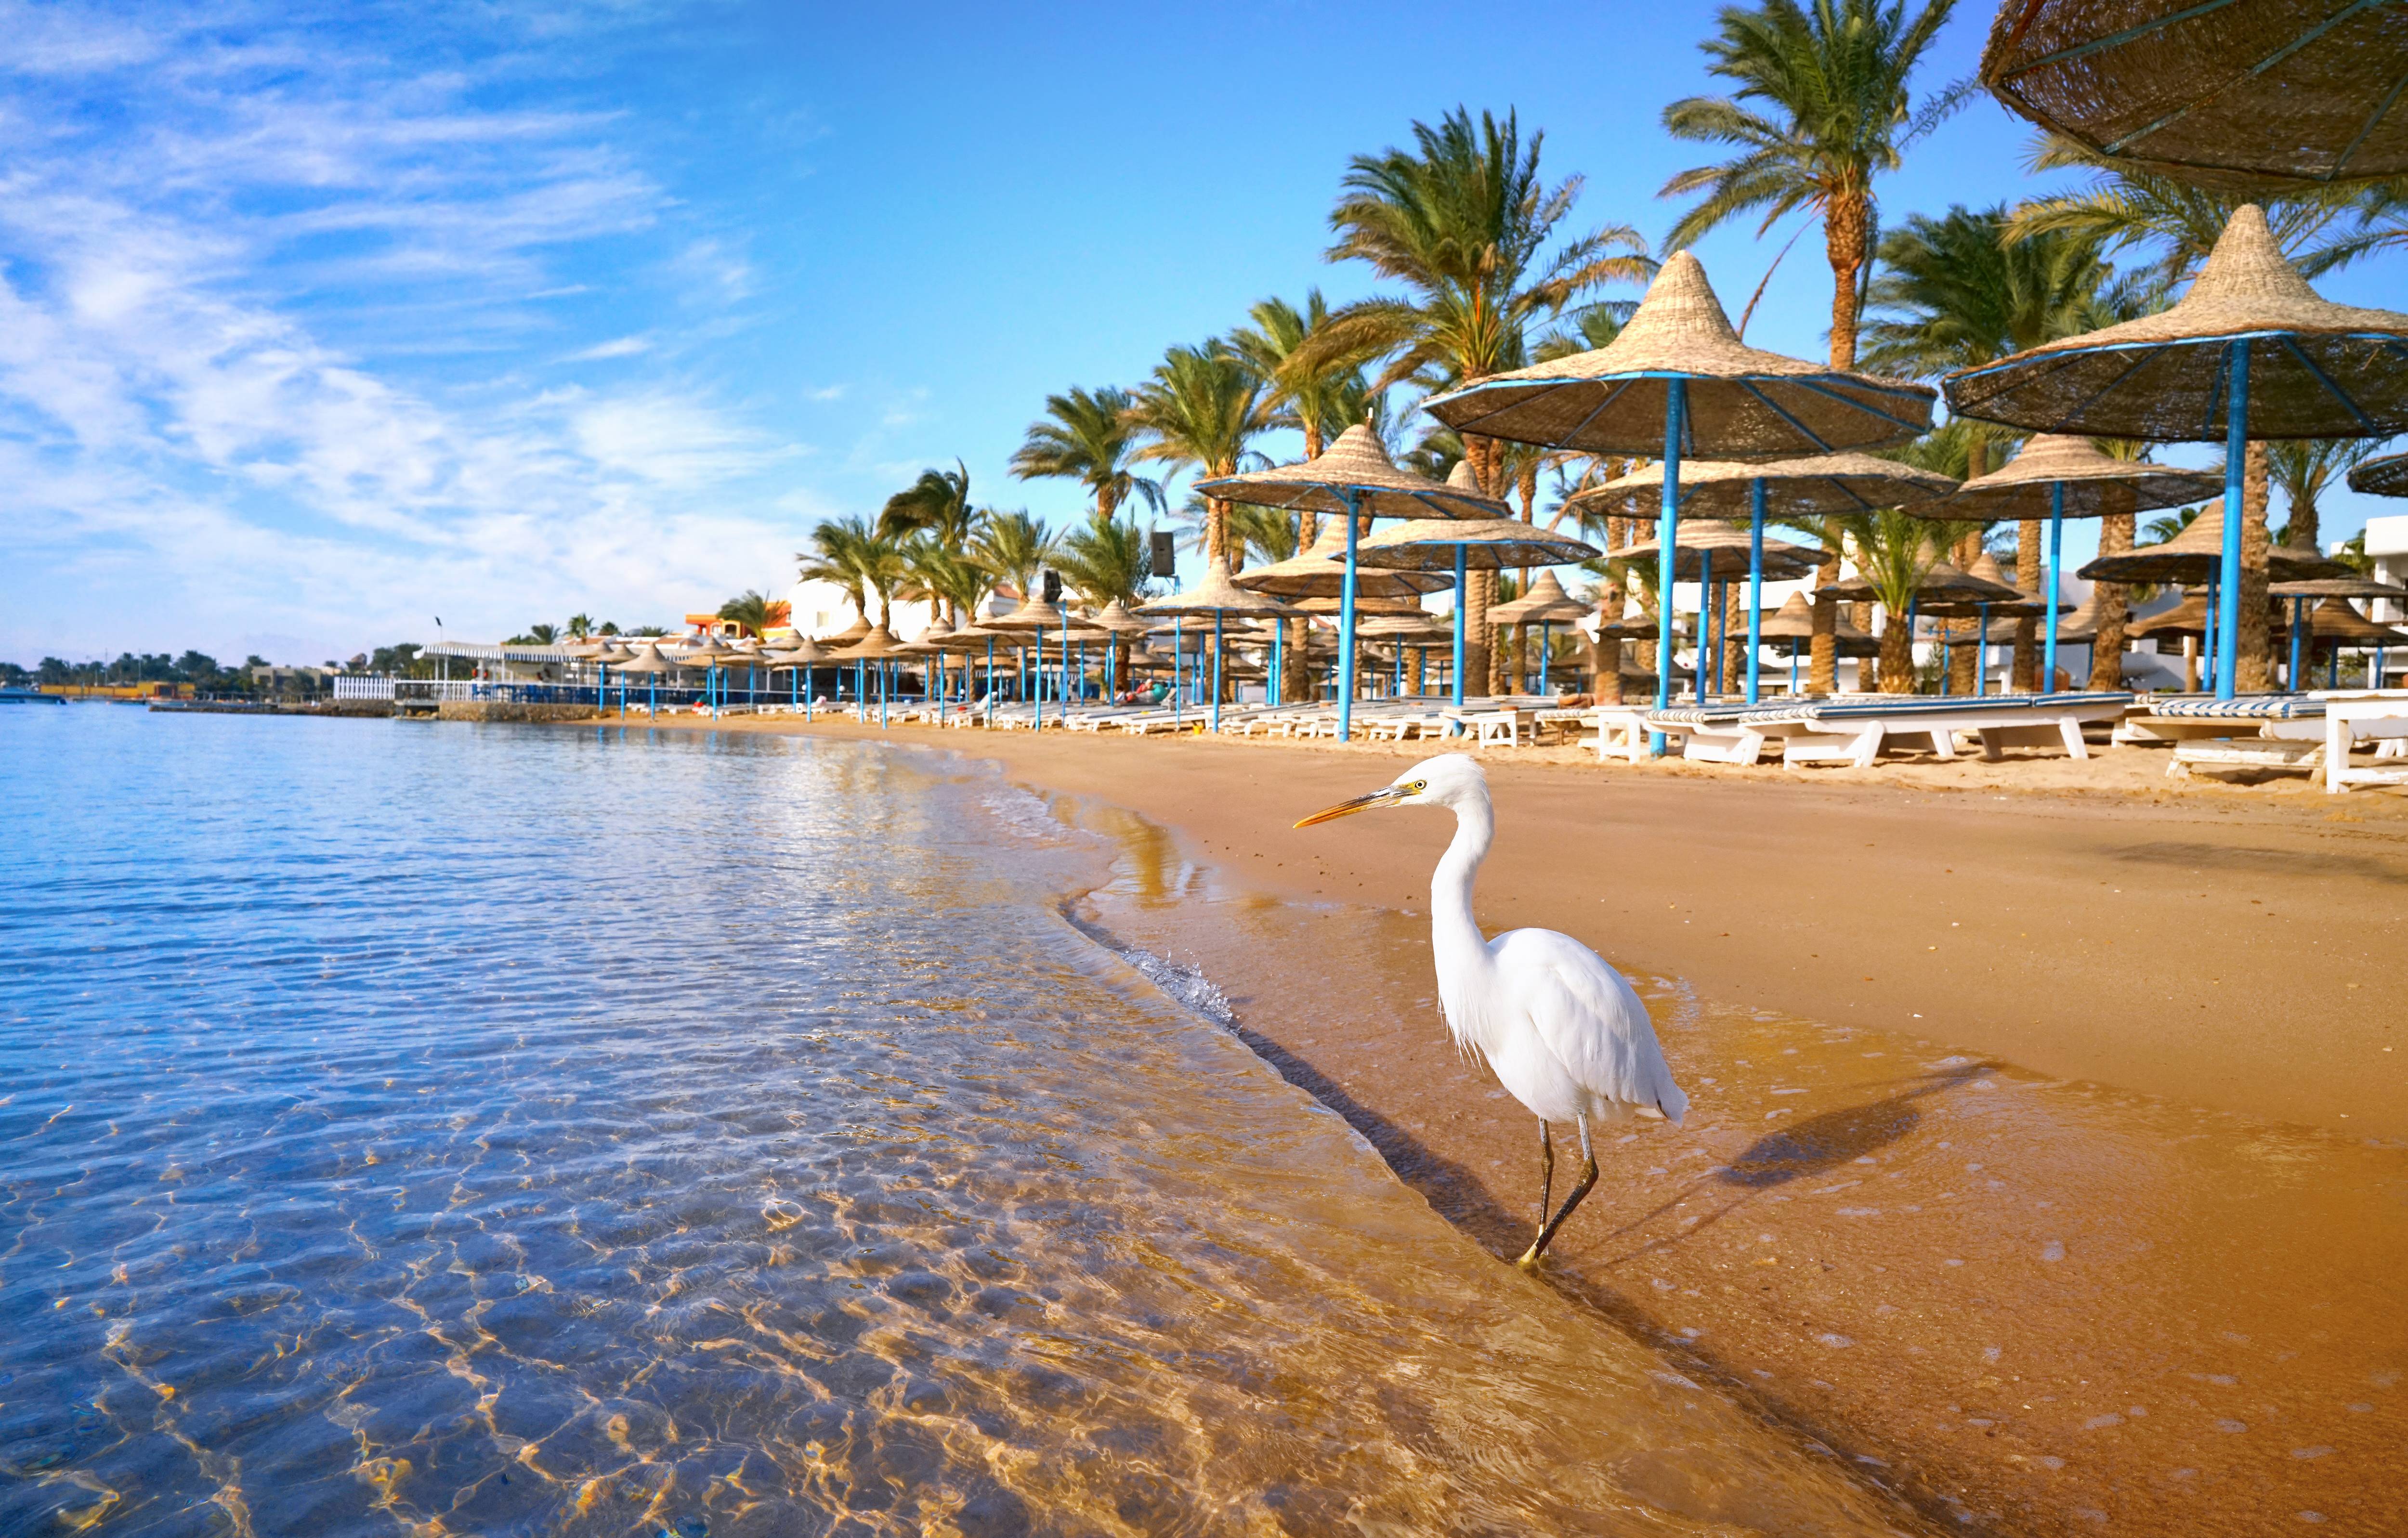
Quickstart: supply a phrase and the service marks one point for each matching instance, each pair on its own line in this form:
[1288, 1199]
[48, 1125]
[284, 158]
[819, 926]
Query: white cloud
[618, 347]
[214, 422]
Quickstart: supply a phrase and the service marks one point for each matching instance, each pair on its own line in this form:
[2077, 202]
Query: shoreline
[2061, 1330]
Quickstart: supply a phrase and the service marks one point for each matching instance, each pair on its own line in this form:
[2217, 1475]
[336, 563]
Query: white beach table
[2365, 714]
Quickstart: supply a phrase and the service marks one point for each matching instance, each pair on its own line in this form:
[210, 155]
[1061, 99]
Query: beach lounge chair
[2183, 718]
[2379, 716]
[1857, 729]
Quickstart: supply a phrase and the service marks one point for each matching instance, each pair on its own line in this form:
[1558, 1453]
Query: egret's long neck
[1453, 932]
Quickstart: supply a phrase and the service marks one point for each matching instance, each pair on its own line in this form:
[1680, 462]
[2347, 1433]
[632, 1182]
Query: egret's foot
[1529, 1260]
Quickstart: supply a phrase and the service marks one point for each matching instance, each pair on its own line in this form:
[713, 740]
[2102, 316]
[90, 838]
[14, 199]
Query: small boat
[12, 694]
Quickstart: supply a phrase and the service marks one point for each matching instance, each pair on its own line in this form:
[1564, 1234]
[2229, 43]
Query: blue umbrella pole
[2210, 639]
[2055, 556]
[2295, 675]
[1755, 582]
[1710, 659]
[1982, 655]
[2236, 452]
[1461, 562]
[1177, 685]
[1216, 670]
[1346, 632]
[1676, 403]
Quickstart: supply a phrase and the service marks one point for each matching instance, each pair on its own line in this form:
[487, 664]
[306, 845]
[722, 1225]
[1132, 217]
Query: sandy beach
[2045, 1156]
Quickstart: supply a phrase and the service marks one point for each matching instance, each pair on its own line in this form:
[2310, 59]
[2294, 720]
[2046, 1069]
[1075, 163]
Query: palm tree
[2305, 469]
[1264, 533]
[938, 502]
[754, 613]
[1832, 81]
[580, 626]
[1465, 221]
[1086, 435]
[1013, 548]
[543, 635]
[949, 579]
[1201, 409]
[1895, 552]
[835, 557]
[1314, 392]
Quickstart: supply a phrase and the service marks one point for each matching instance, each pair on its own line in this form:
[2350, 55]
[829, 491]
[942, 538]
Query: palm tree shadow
[1825, 1142]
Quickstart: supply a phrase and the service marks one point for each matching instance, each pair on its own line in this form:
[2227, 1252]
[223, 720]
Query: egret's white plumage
[1565, 1032]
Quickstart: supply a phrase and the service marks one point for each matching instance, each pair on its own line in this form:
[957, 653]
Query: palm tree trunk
[1897, 655]
[1965, 636]
[2252, 672]
[1862, 616]
[1480, 591]
[1823, 662]
[1844, 242]
[1308, 525]
[2107, 651]
[2025, 673]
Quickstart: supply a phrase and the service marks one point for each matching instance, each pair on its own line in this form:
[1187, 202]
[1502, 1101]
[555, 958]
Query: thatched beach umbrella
[2264, 91]
[877, 646]
[1463, 546]
[2249, 352]
[1545, 605]
[1355, 479]
[2386, 477]
[1033, 618]
[1817, 486]
[2059, 477]
[798, 658]
[1320, 572]
[1794, 622]
[1679, 376]
[1219, 597]
[648, 662]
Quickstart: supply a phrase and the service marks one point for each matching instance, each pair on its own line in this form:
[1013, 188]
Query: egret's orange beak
[1379, 797]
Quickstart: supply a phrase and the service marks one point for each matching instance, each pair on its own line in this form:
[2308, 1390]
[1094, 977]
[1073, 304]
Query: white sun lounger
[2379, 716]
[1855, 729]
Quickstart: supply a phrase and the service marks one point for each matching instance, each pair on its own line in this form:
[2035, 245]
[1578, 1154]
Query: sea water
[441, 1129]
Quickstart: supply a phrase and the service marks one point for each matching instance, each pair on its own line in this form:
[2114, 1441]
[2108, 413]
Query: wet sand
[2046, 1155]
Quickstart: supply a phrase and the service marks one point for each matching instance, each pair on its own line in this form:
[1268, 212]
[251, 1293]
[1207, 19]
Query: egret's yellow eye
[1419, 786]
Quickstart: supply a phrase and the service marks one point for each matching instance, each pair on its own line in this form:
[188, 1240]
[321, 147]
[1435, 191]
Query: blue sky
[316, 325]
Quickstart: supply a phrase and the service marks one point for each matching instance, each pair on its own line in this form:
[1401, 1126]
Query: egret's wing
[1589, 1017]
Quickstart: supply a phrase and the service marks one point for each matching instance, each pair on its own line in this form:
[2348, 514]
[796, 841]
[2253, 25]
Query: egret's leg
[1546, 1171]
[1529, 1260]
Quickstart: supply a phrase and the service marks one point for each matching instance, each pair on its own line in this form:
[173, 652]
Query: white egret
[1563, 1031]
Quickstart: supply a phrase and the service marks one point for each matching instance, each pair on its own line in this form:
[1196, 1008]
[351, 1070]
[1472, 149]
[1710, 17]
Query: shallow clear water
[444, 1129]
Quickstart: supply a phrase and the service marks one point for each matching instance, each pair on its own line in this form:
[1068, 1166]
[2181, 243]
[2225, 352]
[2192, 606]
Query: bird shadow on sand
[1822, 1143]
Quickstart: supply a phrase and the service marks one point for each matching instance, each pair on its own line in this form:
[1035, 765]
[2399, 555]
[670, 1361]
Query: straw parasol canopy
[647, 659]
[803, 653]
[1783, 560]
[1406, 628]
[871, 647]
[2281, 91]
[2195, 555]
[931, 640]
[2188, 617]
[2386, 477]
[1321, 571]
[851, 633]
[1640, 626]
[2096, 485]
[1365, 607]
[1799, 488]
[1742, 402]
[1487, 544]
[1984, 567]
[1546, 604]
[1795, 621]
[1941, 581]
[2339, 587]
[2316, 370]
[1355, 468]
[1035, 614]
[705, 655]
[2079, 624]
[1117, 619]
[2334, 620]
[1216, 594]
[586, 647]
